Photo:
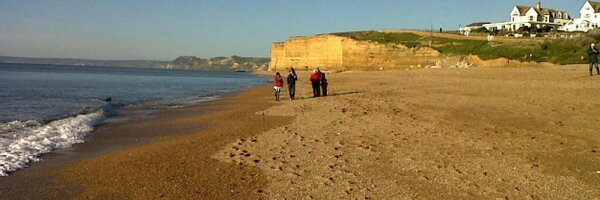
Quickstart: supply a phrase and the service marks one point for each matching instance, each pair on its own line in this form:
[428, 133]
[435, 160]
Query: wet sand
[34, 181]
[477, 133]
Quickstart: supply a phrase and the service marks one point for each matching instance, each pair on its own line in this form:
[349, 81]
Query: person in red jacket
[277, 85]
[315, 80]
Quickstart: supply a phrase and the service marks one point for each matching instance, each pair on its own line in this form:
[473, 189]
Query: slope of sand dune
[526, 133]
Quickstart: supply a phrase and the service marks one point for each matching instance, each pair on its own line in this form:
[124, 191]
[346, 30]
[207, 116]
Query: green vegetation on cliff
[406, 39]
[559, 51]
[555, 51]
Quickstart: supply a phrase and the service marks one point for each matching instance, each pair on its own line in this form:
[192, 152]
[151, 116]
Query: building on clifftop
[536, 16]
[589, 18]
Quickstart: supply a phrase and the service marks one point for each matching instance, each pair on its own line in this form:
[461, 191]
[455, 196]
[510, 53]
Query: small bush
[411, 44]
[546, 29]
[480, 30]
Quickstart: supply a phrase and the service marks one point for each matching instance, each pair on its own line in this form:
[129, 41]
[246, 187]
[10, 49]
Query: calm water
[47, 107]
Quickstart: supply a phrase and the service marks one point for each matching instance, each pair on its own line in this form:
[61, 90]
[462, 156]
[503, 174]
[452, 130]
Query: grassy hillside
[559, 51]
[406, 39]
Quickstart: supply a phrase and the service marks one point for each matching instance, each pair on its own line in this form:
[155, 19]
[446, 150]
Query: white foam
[194, 100]
[22, 142]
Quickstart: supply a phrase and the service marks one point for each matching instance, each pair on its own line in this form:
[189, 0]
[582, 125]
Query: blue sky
[163, 30]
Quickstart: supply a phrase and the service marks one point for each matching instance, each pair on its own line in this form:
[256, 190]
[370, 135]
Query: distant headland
[231, 63]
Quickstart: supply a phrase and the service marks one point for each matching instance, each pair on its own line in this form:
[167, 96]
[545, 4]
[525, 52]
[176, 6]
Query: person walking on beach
[323, 84]
[291, 81]
[277, 85]
[593, 58]
[315, 80]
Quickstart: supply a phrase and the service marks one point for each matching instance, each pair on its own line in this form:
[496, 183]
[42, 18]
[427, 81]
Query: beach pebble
[597, 172]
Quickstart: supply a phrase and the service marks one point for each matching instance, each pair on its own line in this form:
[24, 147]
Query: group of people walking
[319, 83]
[317, 80]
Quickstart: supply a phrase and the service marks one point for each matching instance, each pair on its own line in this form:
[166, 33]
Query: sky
[164, 30]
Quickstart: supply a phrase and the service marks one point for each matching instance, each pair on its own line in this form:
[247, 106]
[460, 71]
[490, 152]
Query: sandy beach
[477, 133]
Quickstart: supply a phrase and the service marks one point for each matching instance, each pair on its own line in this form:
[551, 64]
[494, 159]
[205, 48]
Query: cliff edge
[333, 52]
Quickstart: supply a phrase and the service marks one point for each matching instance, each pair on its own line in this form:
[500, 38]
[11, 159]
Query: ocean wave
[22, 142]
[194, 100]
[172, 102]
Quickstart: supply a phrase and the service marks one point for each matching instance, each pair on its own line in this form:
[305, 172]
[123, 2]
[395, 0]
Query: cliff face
[231, 63]
[311, 52]
[330, 52]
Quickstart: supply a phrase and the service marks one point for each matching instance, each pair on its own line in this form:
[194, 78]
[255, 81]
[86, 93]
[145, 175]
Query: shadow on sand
[332, 95]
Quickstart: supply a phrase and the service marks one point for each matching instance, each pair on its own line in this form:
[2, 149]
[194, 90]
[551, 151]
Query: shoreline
[110, 138]
[33, 126]
[476, 133]
[97, 142]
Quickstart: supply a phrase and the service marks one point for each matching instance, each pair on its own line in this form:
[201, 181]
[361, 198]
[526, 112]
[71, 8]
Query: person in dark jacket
[593, 58]
[315, 80]
[277, 85]
[291, 81]
[323, 84]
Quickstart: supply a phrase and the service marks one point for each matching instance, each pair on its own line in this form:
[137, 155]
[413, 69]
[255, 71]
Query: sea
[44, 108]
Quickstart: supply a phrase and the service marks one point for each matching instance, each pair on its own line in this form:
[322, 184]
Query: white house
[471, 27]
[589, 18]
[526, 16]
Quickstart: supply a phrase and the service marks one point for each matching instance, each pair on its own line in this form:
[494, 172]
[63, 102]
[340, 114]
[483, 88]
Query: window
[530, 18]
[587, 15]
[513, 19]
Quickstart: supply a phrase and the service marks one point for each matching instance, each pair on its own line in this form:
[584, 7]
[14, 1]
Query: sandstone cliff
[331, 52]
[232, 63]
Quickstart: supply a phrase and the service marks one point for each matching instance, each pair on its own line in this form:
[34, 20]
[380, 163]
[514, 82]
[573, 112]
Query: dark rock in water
[109, 99]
